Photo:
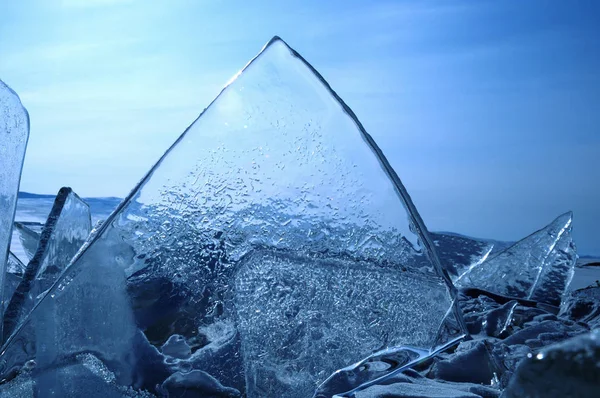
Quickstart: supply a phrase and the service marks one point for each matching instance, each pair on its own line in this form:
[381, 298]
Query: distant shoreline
[29, 195]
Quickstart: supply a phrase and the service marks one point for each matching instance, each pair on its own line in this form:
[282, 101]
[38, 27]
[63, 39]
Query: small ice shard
[29, 239]
[86, 311]
[276, 164]
[14, 133]
[472, 362]
[411, 384]
[196, 384]
[65, 231]
[583, 306]
[485, 316]
[15, 266]
[567, 369]
[538, 267]
[14, 273]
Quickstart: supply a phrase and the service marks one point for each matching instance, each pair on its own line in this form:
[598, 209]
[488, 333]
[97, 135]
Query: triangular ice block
[276, 186]
[14, 133]
[538, 267]
[65, 231]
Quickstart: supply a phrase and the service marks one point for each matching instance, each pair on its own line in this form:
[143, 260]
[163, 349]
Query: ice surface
[279, 163]
[538, 267]
[28, 237]
[302, 318]
[86, 311]
[14, 133]
[65, 231]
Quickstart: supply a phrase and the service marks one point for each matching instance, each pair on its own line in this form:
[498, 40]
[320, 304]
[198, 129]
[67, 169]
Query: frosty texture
[66, 229]
[29, 239]
[276, 162]
[302, 318]
[537, 268]
[84, 376]
[14, 133]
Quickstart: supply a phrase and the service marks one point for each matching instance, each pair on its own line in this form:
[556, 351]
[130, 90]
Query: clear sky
[488, 110]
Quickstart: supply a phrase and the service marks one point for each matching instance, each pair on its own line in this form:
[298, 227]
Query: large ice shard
[538, 267]
[14, 133]
[273, 241]
[65, 231]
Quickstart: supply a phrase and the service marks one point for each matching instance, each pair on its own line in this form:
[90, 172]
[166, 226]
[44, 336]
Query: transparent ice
[15, 266]
[276, 175]
[538, 267]
[14, 273]
[14, 133]
[28, 238]
[301, 318]
[65, 231]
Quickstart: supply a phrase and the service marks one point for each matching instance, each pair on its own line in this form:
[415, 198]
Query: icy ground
[504, 331]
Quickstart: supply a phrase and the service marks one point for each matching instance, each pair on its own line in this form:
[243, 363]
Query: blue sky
[488, 110]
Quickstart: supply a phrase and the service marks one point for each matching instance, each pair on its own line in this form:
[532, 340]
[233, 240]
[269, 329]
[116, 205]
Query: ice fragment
[65, 231]
[28, 237]
[14, 133]
[14, 273]
[538, 267]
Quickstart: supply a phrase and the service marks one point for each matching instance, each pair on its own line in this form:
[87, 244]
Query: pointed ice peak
[538, 267]
[279, 181]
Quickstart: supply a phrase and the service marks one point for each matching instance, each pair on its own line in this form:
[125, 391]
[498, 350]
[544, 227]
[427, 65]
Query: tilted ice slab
[65, 231]
[276, 181]
[538, 267]
[14, 133]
